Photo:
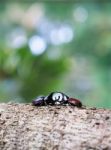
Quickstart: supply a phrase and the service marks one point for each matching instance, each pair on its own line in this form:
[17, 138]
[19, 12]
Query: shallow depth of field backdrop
[56, 46]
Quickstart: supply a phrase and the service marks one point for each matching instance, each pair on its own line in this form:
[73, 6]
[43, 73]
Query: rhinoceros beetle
[56, 98]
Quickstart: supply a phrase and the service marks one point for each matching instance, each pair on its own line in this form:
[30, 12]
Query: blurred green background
[56, 46]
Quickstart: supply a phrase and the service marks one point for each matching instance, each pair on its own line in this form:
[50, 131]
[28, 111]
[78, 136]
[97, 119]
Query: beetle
[56, 98]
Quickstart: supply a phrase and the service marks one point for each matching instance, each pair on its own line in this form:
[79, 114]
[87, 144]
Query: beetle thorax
[57, 97]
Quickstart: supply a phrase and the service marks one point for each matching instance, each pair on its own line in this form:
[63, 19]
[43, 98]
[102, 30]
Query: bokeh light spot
[37, 45]
[17, 37]
[61, 35]
[80, 14]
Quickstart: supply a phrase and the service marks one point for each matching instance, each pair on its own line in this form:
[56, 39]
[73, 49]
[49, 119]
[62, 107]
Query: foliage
[75, 54]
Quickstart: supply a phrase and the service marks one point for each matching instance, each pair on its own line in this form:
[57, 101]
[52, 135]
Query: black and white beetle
[56, 98]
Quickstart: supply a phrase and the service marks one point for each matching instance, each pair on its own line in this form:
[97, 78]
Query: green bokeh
[80, 66]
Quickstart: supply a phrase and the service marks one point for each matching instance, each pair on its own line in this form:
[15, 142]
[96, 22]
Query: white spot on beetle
[65, 98]
[57, 103]
[57, 96]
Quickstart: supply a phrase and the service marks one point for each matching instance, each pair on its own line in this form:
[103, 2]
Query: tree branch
[26, 127]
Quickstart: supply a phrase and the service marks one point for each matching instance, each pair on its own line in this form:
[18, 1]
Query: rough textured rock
[26, 127]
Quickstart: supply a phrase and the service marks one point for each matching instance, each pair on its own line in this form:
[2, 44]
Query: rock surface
[26, 127]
